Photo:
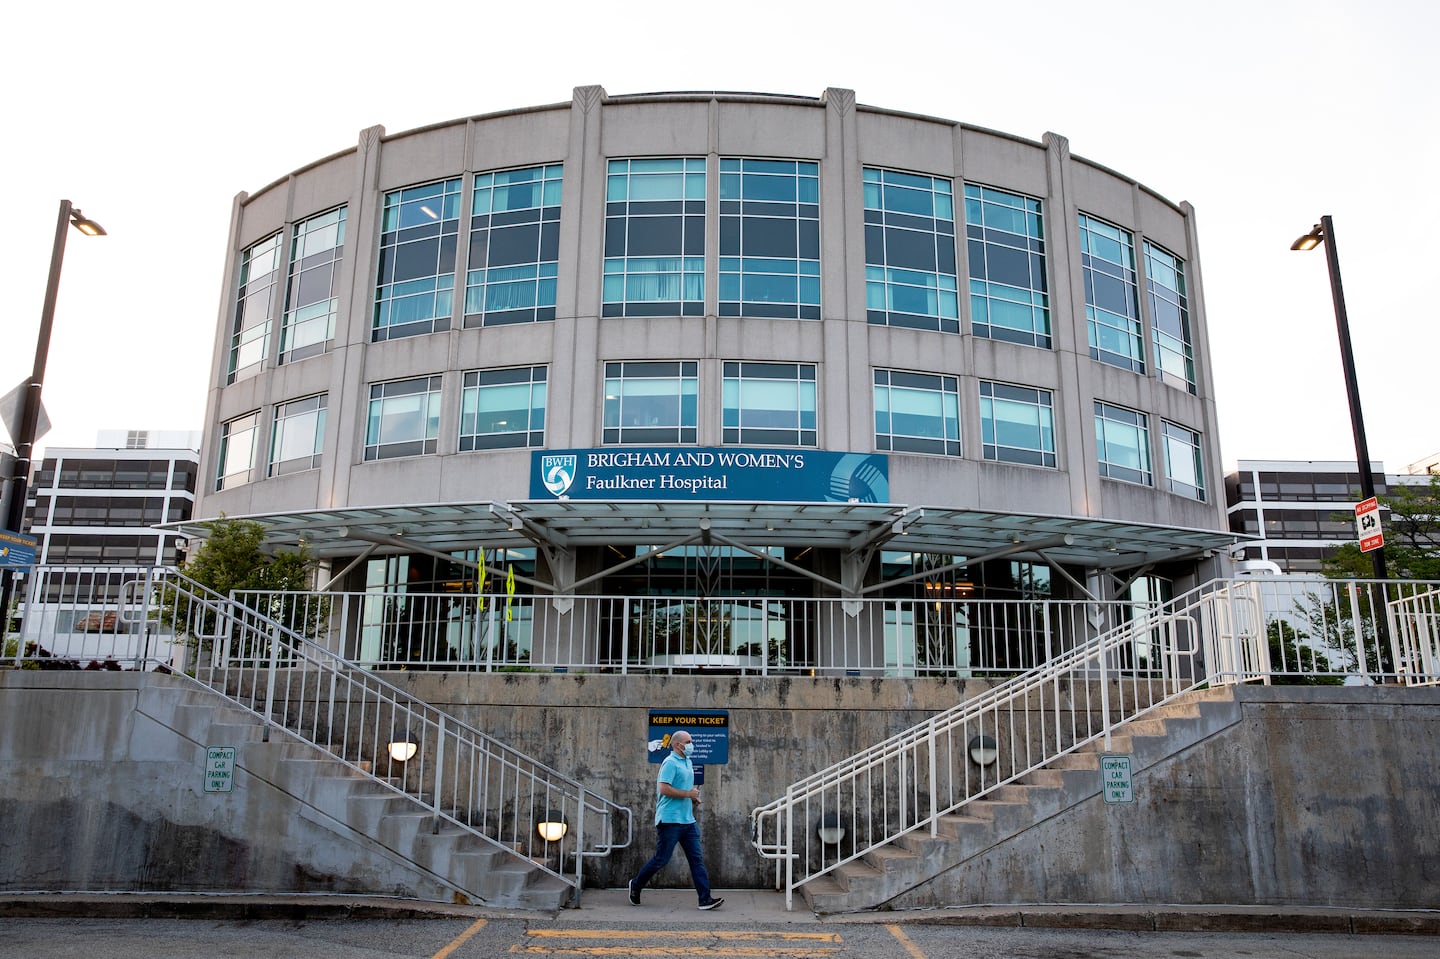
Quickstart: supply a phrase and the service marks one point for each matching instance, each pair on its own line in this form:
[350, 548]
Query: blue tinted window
[910, 277]
[1170, 317]
[768, 404]
[312, 296]
[917, 412]
[1017, 424]
[1112, 303]
[514, 247]
[250, 335]
[654, 238]
[1009, 299]
[769, 239]
[415, 286]
[1122, 439]
[237, 450]
[403, 418]
[297, 437]
[1184, 460]
[651, 402]
[503, 408]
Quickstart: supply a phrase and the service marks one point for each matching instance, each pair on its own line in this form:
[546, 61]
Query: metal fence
[464, 778]
[1262, 629]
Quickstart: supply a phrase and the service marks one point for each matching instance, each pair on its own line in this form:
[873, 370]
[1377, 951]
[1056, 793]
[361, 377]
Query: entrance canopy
[852, 528]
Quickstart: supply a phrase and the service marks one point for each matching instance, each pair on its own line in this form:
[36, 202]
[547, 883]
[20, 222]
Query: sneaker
[634, 893]
[711, 903]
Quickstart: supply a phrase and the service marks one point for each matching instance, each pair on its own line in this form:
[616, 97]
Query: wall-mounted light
[983, 751]
[552, 826]
[830, 831]
[404, 747]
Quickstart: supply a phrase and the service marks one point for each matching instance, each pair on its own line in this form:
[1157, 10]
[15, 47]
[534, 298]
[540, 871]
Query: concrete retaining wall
[1318, 796]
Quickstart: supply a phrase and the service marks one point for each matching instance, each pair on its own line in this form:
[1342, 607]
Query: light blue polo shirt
[680, 774]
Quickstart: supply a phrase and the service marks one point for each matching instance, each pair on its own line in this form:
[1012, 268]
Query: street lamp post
[30, 400]
[1324, 232]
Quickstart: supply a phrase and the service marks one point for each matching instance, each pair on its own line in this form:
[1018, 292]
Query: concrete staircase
[391, 834]
[981, 825]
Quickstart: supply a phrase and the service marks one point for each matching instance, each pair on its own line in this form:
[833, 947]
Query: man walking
[675, 822]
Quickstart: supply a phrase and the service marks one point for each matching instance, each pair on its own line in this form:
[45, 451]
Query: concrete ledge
[1144, 918]
[223, 907]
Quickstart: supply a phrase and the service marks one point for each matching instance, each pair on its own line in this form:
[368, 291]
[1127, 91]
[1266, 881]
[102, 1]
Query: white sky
[1264, 114]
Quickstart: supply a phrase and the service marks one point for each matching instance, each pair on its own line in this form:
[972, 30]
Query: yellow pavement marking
[688, 934]
[905, 941]
[676, 951]
[459, 940]
[565, 942]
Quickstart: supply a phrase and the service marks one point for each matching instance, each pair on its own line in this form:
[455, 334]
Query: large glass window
[917, 412]
[514, 246]
[1170, 317]
[1184, 462]
[297, 437]
[503, 408]
[415, 286]
[910, 251]
[769, 404]
[404, 418]
[1112, 299]
[655, 238]
[250, 337]
[651, 402]
[236, 463]
[770, 238]
[1122, 438]
[1005, 237]
[1017, 424]
[312, 299]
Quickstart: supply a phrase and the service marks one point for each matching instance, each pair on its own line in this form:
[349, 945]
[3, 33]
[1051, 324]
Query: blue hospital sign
[724, 473]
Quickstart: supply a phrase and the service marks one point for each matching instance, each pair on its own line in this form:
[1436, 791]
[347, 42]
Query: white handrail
[1063, 688]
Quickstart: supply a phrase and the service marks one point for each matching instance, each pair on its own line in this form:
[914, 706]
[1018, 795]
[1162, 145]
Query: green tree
[1412, 537]
[232, 558]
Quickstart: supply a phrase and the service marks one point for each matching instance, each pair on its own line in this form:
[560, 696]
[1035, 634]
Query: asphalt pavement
[742, 907]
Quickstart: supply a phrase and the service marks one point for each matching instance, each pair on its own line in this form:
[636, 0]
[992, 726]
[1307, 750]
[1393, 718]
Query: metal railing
[752, 635]
[1417, 636]
[1263, 629]
[464, 778]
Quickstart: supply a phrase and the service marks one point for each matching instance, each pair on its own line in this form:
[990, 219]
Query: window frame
[1173, 435]
[472, 392]
[987, 293]
[635, 204]
[305, 265]
[377, 446]
[1126, 418]
[746, 225]
[885, 275]
[945, 390]
[399, 236]
[993, 450]
[228, 478]
[1092, 268]
[530, 282]
[1170, 299]
[736, 374]
[685, 376]
[256, 291]
[291, 413]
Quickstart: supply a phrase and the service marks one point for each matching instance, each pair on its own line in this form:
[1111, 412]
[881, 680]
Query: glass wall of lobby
[713, 608]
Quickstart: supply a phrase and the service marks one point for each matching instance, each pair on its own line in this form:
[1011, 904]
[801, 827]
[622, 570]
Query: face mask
[683, 749]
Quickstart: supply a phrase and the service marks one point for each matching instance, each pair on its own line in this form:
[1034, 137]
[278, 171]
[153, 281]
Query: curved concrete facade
[845, 140]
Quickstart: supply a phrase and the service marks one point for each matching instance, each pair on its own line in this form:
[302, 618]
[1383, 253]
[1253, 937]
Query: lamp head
[1310, 240]
[403, 747]
[552, 826]
[84, 224]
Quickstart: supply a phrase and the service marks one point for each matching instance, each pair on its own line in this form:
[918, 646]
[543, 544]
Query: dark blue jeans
[688, 836]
